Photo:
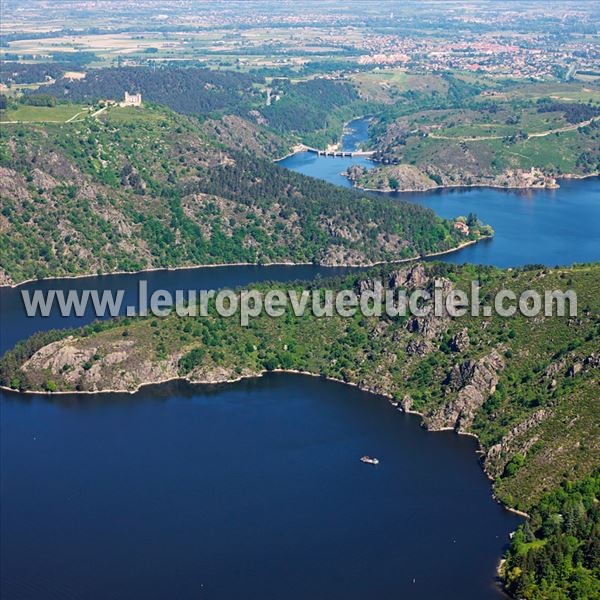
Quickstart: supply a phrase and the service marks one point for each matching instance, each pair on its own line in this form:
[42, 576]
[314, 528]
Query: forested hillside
[148, 188]
[506, 136]
[15, 72]
[315, 109]
[189, 91]
[556, 554]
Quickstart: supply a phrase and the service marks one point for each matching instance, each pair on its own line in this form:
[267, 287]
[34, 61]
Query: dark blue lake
[252, 490]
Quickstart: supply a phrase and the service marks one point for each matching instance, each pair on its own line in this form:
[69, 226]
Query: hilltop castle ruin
[132, 100]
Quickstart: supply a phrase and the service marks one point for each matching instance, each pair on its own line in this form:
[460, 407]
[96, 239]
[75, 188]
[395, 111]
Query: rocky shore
[409, 178]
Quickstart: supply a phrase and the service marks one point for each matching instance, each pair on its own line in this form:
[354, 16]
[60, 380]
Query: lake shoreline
[434, 188]
[247, 264]
[258, 375]
[567, 176]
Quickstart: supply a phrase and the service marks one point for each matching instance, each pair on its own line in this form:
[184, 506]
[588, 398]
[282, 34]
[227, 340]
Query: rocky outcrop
[581, 366]
[419, 348]
[460, 341]
[131, 178]
[472, 382]
[499, 454]
[13, 185]
[355, 172]
[87, 367]
[405, 178]
[388, 179]
[410, 277]
[406, 403]
[431, 326]
[5, 279]
[42, 180]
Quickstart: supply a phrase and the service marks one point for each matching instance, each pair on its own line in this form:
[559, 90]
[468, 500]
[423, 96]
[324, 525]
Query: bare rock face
[337, 256]
[355, 172]
[499, 454]
[43, 180]
[394, 177]
[86, 367]
[418, 347]
[579, 365]
[58, 356]
[583, 365]
[574, 369]
[410, 277]
[554, 368]
[13, 185]
[218, 374]
[592, 361]
[473, 381]
[5, 279]
[460, 342]
[335, 229]
[130, 177]
[406, 403]
[370, 285]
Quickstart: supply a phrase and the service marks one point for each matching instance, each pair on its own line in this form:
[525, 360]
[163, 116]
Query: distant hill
[188, 91]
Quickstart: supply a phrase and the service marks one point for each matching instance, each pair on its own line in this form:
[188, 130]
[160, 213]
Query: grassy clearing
[60, 113]
[120, 115]
[386, 86]
[567, 92]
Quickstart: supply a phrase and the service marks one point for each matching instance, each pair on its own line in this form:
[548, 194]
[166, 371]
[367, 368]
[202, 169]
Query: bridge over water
[340, 152]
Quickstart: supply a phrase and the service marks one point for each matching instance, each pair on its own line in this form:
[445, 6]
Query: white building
[132, 100]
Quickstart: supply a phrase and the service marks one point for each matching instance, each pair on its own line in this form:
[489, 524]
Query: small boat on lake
[369, 460]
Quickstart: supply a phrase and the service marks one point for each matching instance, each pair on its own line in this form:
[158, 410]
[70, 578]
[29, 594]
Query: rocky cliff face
[389, 179]
[473, 381]
[406, 178]
[498, 455]
[90, 367]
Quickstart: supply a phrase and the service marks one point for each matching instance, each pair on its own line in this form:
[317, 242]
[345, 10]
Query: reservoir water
[550, 227]
[252, 490]
[16, 325]
[255, 490]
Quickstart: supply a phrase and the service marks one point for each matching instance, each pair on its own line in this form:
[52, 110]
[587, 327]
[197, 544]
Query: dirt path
[100, 111]
[501, 137]
[72, 119]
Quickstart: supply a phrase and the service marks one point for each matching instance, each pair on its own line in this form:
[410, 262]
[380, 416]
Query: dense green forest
[556, 553]
[574, 112]
[148, 188]
[315, 109]
[15, 72]
[189, 91]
